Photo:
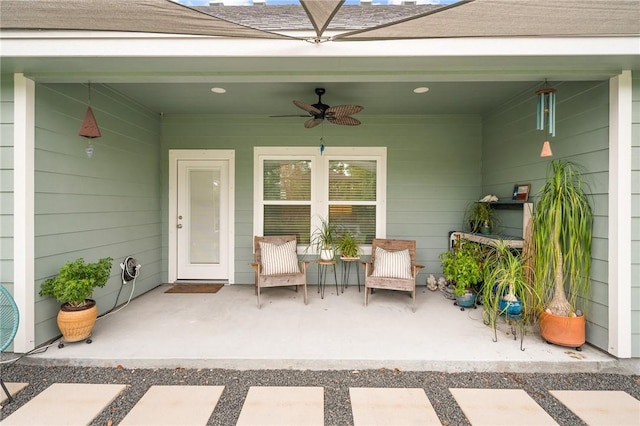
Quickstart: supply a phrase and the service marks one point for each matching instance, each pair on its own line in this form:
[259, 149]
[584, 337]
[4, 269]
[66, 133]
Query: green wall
[6, 181]
[511, 154]
[107, 205]
[433, 170]
[635, 219]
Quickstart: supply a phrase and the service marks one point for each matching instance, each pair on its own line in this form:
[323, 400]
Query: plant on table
[348, 246]
[480, 217]
[323, 239]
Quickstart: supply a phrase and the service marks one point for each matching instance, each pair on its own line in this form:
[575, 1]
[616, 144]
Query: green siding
[433, 170]
[511, 154]
[107, 205]
[635, 218]
[6, 181]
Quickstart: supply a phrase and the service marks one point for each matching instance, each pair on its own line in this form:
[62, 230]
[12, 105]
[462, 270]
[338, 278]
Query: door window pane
[204, 235]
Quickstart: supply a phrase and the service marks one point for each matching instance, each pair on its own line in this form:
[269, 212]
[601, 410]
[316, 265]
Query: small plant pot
[77, 324]
[510, 309]
[563, 331]
[485, 230]
[466, 301]
[327, 254]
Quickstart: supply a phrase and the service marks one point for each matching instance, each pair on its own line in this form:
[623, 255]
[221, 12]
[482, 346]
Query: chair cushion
[392, 264]
[279, 259]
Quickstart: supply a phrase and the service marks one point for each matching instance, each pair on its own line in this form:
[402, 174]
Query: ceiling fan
[340, 114]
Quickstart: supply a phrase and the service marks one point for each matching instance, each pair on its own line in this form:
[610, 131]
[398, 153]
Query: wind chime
[546, 116]
[89, 128]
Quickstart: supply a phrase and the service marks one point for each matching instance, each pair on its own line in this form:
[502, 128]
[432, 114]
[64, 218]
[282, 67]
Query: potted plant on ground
[561, 248]
[480, 217]
[462, 267]
[506, 289]
[323, 239]
[73, 287]
[348, 246]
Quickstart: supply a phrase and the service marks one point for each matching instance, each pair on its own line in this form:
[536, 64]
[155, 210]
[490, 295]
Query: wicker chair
[9, 319]
[386, 276]
[294, 273]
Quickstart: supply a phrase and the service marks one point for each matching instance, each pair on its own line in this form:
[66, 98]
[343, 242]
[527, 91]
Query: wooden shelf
[490, 239]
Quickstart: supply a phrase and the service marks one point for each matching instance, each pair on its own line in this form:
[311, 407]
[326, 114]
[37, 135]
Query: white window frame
[319, 181]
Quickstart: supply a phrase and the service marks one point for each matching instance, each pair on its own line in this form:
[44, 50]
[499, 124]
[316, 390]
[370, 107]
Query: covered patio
[227, 330]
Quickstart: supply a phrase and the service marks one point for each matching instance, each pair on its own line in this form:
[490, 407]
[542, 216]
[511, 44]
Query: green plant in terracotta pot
[561, 249]
[73, 287]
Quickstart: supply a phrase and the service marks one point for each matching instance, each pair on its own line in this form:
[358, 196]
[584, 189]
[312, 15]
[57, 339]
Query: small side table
[346, 270]
[322, 275]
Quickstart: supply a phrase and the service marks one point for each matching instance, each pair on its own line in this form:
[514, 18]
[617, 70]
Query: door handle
[179, 225]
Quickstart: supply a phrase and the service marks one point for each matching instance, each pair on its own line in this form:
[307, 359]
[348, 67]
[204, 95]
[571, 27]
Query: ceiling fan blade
[309, 108]
[344, 121]
[291, 115]
[342, 110]
[312, 122]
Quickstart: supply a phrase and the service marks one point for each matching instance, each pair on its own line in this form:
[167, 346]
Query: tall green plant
[561, 238]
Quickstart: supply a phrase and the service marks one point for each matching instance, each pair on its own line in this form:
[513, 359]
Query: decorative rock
[432, 284]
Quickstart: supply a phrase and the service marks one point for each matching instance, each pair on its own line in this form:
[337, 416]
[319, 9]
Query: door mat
[195, 288]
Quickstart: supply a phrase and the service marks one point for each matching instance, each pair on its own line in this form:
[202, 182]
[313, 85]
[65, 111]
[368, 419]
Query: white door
[202, 220]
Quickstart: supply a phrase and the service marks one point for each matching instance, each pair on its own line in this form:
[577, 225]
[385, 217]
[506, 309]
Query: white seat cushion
[279, 259]
[392, 264]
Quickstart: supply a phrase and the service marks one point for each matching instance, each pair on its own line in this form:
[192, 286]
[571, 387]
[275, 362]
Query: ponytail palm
[562, 226]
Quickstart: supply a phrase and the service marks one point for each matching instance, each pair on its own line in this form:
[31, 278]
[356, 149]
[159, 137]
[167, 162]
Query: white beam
[619, 279]
[23, 210]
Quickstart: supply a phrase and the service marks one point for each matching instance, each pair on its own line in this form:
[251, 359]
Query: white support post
[23, 210]
[619, 279]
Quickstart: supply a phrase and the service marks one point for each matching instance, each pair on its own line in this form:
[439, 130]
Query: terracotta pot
[76, 324]
[563, 331]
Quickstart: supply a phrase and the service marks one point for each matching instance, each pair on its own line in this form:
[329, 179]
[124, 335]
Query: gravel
[336, 384]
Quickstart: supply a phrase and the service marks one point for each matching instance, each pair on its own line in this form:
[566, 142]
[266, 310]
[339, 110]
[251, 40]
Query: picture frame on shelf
[521, 192]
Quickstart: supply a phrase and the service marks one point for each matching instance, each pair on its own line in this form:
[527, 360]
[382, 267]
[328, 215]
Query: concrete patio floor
[227, 330]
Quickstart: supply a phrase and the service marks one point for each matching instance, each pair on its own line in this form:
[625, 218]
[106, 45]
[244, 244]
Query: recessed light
[218, 90]
[421, 89]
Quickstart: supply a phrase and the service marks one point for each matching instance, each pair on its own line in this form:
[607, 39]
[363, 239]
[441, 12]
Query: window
[295, 187]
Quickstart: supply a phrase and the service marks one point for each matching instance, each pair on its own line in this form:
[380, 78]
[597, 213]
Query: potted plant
[462, 267]
[323, 239]
[480, 217]
[561, 248]
[348, 247]
[506, 289]
[73, 287]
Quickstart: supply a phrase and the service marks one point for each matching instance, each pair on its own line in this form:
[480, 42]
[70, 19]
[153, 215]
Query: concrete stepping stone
[174, 405]
[601, 407]
[13, 389]
[494, 407]
[286, 405]
[391, 406]
[65, 403]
